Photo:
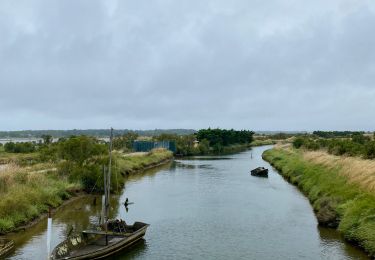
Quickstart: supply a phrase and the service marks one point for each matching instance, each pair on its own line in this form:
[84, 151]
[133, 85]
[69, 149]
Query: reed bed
[357, 170]
[26, 193]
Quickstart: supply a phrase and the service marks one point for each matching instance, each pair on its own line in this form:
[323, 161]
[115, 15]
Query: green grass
[26, 196]
[132, 164]
[26, 193]
[263, 142]
[337, 202]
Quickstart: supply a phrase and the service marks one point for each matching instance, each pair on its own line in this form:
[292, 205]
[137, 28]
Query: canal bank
[205, 207]
[339, 201]
[28, 194]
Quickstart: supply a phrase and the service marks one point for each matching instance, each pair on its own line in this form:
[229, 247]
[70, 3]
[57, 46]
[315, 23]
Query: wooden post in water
[49, 233]
[107, 186]
[109, 167]
[104, 198]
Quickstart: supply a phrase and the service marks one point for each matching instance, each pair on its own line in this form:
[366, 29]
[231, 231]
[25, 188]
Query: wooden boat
[6, 246]
[260, 172]
[107, 238]
[91, 244]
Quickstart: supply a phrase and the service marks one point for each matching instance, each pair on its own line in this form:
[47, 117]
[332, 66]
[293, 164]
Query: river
[205, 208]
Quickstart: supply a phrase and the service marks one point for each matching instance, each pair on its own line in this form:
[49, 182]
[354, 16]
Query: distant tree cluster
[225, 137]
[356, 144]
[90, 132]
[334, 134]
[210, 141]
[26, 147]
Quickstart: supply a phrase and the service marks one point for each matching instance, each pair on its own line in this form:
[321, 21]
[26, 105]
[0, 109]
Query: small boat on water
[260, 172]
[104, 240]
[6, 246]
[92, 244]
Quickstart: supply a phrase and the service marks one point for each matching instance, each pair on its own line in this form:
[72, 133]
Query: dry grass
[281, 145]
[356, 170]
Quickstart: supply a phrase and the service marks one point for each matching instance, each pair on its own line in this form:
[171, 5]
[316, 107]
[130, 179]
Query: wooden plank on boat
[98, 232]
[6, 246]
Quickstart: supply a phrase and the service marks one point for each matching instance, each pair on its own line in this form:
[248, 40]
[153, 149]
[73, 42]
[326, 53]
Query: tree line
[225, 137]
[334, 134]
[91, 132]
[356, 144]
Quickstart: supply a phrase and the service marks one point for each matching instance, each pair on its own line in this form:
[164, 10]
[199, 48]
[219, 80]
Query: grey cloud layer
[144, 64]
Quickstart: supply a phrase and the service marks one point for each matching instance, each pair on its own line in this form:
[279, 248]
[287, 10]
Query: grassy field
[19, 158]
[263, 142]
[340, 189]
[26, 192]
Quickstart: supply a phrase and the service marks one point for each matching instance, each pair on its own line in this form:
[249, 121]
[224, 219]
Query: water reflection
[135, 251]
[331, 242]
[208, 208]
[186, 165]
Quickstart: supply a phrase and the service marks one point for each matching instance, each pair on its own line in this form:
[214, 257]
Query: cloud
[272, 65]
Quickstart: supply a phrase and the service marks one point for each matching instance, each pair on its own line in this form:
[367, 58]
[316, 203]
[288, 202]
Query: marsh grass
[356, 170]
[26, 192]
[340, 190]
[131, 164]
[258, 142]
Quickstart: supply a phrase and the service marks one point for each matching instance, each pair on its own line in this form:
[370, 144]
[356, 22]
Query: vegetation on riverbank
[129, 164]
[341, 190]
[356, 144]
[210, 141]
[26, 192]
[58, 172]
[259, 142]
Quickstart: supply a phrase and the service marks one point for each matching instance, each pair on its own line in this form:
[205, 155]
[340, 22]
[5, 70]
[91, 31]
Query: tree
[47, 139]
[9, 147]
[26, 147]
[125, 142]
[204, 146]
[80, 148]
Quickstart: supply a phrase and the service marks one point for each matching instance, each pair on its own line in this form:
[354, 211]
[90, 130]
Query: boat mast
[107, 179]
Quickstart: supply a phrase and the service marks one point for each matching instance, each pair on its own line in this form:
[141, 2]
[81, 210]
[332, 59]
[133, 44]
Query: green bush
[26, 147]
[298, 142]
[358, 145]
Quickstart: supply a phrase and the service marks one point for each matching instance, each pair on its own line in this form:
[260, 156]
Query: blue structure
[146, 146]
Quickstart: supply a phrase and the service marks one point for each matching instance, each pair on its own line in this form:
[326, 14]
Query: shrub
[298, 142]
[26, 147]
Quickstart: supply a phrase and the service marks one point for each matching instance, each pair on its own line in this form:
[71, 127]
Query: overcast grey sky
[254, 64]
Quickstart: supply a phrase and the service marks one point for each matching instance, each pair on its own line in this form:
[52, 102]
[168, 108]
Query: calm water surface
[206, 208]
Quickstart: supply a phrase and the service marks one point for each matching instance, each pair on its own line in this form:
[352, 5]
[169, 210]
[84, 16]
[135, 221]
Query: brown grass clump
[356, 170]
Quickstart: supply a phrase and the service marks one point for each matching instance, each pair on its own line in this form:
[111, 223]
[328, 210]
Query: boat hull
[116, 244]
[260, 172]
